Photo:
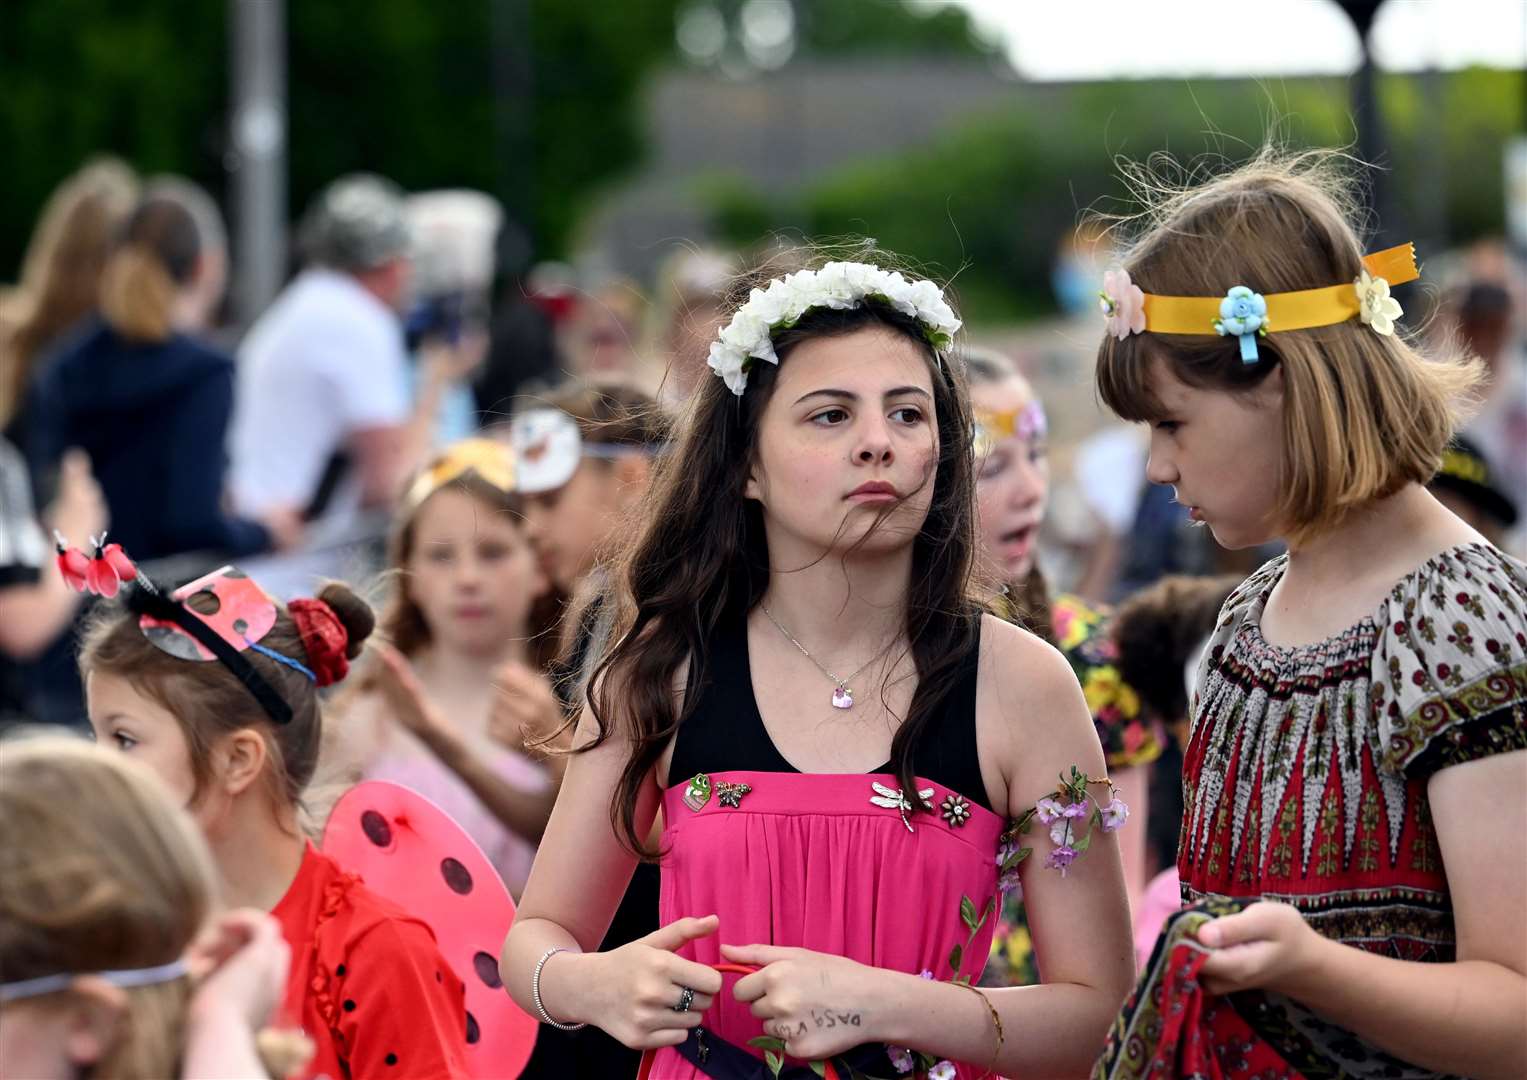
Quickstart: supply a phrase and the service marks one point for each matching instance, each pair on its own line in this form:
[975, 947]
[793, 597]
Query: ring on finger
[686, 999]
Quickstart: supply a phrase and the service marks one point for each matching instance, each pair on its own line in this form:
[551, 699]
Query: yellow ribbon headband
[1246, 315]
[493, 461]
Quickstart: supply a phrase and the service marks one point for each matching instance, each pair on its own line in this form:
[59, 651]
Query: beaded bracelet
[535, 990]
[996, 1020]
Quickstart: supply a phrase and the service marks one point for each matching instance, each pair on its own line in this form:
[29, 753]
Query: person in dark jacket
[145, 397]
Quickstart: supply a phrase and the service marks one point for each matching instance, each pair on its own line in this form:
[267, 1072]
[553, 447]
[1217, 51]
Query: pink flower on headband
[1123, 303]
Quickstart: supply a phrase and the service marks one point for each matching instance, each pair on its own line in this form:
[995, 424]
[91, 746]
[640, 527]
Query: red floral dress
[1305, 781]
[367, 983]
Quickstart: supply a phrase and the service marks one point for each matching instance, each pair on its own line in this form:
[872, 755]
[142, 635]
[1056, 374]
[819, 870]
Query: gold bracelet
[996, 1020]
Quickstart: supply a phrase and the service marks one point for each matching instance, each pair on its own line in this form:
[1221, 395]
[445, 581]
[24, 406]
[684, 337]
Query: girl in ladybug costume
[215, 688]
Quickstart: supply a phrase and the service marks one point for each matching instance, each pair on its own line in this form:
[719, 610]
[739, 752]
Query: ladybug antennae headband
[161, 615]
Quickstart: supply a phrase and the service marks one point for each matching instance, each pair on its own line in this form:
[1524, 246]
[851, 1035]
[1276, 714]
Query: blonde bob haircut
[100, 871]
[1363, 414]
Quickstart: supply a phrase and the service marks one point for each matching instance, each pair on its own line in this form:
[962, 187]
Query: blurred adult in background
[60, 275]
[1485, 324]
[1467, 486]
[36, 606]
[600, 338]
[523, 349]
[689, 311]
[324, 425]
[454, 238]
[139, 389]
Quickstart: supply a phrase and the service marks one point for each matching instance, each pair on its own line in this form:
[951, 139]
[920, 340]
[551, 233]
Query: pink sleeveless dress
[818, 861]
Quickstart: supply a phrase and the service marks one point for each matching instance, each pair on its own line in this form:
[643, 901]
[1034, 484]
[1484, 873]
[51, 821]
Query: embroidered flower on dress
[955, 809]
[1375, 306]
[1123, 303]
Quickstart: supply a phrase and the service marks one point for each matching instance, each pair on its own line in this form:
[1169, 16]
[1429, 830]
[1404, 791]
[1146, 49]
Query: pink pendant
[842, 698]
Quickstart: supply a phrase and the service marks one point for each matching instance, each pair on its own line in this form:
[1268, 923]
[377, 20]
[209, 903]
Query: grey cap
[356, 223]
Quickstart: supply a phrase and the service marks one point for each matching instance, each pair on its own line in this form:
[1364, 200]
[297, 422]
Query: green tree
[990, 202]
[393, 86]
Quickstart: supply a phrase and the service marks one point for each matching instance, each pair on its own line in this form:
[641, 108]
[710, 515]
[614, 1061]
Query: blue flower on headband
[1243, 314]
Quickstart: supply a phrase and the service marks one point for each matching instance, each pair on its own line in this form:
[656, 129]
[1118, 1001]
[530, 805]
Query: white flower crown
[839, 285]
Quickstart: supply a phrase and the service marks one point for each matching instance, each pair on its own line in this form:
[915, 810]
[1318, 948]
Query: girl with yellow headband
[1354, 776]
[465, 587]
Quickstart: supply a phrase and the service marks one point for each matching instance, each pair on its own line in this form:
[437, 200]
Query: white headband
[48, 984]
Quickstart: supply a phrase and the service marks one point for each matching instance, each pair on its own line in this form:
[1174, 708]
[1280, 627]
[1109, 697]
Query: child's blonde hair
[99, 871]
[1363, 414]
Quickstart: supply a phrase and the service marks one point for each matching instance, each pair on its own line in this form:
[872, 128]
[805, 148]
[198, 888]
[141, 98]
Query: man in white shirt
[323, 419]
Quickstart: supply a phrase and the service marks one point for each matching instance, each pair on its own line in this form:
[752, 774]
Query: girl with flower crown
[1355, 773]
[836, 736]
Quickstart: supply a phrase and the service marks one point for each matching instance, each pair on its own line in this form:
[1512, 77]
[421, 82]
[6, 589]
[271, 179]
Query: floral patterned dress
[1083, 635]
[1305, 781]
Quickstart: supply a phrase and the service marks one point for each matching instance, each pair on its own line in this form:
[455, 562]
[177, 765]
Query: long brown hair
[61, 274]
[700, 559]
[99, 871]
[208, 700]
[1363, 414]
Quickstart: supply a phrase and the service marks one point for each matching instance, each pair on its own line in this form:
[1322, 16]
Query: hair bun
[356, 615]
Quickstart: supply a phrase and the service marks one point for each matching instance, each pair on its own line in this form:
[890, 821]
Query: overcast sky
[1110, 39]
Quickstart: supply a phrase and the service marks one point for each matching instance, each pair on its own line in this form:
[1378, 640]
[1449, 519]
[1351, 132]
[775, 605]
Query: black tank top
[726, 732]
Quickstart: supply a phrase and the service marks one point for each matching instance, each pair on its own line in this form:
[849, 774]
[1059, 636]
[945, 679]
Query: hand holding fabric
[1265, 947]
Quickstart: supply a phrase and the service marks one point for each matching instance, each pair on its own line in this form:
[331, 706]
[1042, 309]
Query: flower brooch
[1375, 306]
[1122, 304]
[1243, 315]
[698, 792]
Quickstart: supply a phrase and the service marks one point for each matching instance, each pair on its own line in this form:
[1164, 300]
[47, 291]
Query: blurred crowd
[462, 444]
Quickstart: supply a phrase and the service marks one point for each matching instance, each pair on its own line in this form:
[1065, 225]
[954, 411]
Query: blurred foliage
[392, 86]
[883, 28]
[993, 200]
[398, 87]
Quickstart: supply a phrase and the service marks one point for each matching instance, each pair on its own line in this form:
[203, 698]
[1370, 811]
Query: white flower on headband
[1375, 306]
[839, 285]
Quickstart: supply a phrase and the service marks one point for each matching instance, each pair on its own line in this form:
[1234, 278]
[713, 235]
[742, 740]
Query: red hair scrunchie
[324, 638]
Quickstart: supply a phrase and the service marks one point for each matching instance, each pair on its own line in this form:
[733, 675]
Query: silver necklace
[842, 697]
